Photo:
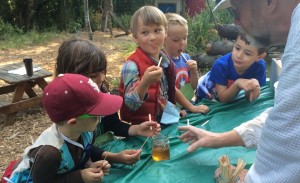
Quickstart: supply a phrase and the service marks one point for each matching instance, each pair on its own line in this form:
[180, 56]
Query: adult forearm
[227, 139]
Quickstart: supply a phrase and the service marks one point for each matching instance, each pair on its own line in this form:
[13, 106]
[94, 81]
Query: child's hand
[153, 74]
[199, 109]
[182, 113]
[92, 175]
[103, 164]
[251, 87]
[129, 157]
[148, 128]
[192, 66]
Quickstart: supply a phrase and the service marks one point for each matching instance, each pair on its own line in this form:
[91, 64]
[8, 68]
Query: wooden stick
[144, 143]
[106, 155]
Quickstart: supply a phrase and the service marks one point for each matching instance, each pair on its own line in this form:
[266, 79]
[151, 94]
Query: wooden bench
[18, 85]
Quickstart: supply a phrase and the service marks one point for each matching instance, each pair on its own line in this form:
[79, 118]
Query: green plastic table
[199, 166]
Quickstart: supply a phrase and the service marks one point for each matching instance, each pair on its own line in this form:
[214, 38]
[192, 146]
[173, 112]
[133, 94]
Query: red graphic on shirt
[229, 83]
[182, 77]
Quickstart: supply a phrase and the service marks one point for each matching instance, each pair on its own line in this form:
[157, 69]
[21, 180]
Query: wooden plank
[42, 83]
[7, 89]
[21, 105]
[11, 109]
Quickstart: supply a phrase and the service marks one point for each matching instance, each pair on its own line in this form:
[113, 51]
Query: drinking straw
[150, 121]
[183, 57]
[159, 62]
[188, 122]
[205, 123]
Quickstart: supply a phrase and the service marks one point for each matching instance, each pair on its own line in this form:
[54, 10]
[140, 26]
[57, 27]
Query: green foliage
[129, 6]
[18, 40]
[201, 29]
[125, 19]
[96, 20]
[7, 30]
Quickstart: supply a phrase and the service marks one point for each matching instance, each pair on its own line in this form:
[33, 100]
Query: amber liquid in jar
[160, 148]
[160, 153]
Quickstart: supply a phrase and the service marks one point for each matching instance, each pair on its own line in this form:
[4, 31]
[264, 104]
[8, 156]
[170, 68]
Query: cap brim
[109, 104]
[222, 5]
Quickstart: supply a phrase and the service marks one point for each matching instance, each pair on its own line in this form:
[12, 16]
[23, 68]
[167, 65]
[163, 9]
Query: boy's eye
[144, 33]
[248, 53]
[237, 47]
[157, 30]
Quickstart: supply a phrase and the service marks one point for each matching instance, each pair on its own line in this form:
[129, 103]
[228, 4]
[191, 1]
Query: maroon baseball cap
[71, 95]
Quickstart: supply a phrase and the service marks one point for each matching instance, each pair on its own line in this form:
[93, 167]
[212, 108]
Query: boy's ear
[261, 56]
[272, 5]
[72, 121]
[136, 40]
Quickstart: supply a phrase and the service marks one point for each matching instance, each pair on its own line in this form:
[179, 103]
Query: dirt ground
[30, 123]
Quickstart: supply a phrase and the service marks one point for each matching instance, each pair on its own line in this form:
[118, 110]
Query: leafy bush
[202, 29]
[7, 30]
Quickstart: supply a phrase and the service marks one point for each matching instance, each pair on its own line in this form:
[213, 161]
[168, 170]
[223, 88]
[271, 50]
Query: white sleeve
[250, 131]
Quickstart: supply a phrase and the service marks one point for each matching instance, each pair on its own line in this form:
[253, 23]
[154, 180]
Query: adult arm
[250, 131]
[247, 134]
[201, 138]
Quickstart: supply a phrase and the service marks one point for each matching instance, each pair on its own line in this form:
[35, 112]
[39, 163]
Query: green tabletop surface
[199, 166]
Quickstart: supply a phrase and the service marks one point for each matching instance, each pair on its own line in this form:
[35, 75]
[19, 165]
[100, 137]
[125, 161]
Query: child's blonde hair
[149, 15]
[176, 19]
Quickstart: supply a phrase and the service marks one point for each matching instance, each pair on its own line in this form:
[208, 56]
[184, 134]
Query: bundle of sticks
[227, 174]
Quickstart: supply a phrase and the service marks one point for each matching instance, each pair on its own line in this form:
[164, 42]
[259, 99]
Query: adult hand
[129, 157]
[197, 137]
[242, 174]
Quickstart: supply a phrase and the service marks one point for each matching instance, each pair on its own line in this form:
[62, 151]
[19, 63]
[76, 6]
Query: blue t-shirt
[182, 72]
[224, 73]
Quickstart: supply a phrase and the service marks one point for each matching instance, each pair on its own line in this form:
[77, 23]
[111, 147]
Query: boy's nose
[152, 36]
[239, 54]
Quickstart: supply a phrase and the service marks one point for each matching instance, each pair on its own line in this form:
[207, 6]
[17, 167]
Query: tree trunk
[24, 11]
[229, 31]
[64, 8]
[87, 19]
[107, 9]
[205, 61]
[219, 47]
[28, 14]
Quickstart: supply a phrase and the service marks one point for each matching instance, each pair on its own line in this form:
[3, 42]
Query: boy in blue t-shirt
[242, 69]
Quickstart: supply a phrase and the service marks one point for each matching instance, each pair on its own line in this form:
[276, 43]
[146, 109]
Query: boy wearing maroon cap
[64, 152]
